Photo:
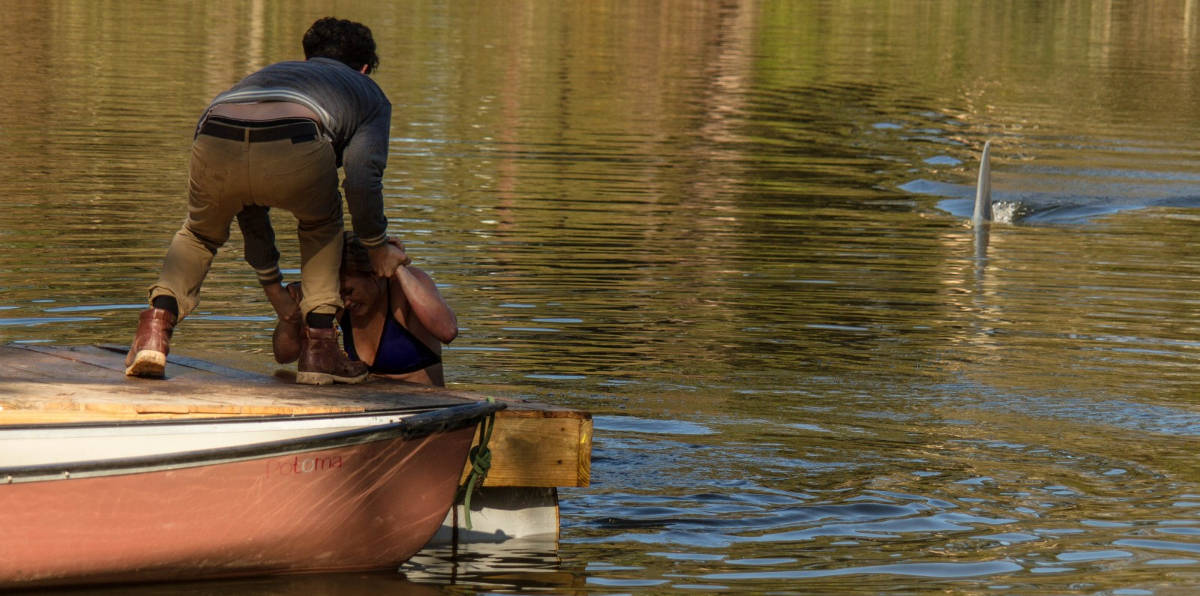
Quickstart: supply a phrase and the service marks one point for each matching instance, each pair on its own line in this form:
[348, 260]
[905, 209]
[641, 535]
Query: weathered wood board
[532, 444]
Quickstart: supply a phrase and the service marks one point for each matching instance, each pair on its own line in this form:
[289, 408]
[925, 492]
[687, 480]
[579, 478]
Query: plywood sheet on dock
[533, 444]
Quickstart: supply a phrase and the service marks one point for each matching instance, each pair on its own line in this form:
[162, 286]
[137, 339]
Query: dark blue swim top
[399, 351]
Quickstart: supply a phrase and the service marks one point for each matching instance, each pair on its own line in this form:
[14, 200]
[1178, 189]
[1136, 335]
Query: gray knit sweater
[355, 114]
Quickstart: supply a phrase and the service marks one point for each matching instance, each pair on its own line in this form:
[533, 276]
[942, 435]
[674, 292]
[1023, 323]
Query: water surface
[735, 232]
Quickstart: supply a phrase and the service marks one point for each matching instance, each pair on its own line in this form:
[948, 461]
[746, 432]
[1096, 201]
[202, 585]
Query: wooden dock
[533, 445]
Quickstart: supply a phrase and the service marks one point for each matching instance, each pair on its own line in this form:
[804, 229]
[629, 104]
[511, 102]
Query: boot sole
[148, 364]
[319, 378]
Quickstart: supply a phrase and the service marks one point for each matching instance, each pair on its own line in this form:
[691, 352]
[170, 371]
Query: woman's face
[359, 293]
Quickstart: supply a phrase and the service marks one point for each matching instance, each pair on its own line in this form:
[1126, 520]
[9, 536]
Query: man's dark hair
[345, 41]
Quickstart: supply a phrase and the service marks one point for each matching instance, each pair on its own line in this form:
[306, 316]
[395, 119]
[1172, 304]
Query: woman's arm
[282, 300]
[285, 342]
[426, 303]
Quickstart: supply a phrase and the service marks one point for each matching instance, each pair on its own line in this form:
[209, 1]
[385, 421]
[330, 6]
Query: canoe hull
[360, 506]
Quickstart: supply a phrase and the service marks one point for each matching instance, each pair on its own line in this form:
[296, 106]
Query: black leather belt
[299, 130]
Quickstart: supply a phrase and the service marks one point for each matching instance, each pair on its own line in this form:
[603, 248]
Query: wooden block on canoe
[539, 448]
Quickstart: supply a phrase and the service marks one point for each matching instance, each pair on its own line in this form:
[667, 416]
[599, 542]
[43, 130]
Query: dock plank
[533, 444]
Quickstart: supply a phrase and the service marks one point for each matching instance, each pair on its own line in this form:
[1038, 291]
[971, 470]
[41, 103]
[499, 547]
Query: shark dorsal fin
[983, 189]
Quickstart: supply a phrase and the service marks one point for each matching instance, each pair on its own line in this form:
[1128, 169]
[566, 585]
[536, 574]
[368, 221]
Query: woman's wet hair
[345, 41]
[355, 260]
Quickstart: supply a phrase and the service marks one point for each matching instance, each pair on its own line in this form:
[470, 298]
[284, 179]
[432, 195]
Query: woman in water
[395, 325]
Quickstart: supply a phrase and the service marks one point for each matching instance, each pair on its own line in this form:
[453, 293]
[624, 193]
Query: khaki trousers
[227, 175]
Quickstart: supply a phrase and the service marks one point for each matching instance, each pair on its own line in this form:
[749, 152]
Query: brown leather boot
[148, 355]
[323, 362]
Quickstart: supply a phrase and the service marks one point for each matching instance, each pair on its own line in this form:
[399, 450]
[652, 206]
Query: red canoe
[167, 500]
